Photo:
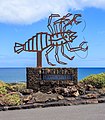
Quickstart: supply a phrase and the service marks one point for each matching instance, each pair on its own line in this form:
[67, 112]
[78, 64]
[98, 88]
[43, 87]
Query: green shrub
[3, 90]
[12, 99]
[17, 87]
[97, 80]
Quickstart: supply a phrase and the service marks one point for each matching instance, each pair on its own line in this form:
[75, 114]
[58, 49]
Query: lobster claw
[82, 44]
[77, 22]
[75, 18]
[68, 15]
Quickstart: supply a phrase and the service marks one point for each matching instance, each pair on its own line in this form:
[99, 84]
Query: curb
[54, 104]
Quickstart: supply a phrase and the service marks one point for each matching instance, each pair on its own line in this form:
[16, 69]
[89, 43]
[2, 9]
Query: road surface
[80, 112]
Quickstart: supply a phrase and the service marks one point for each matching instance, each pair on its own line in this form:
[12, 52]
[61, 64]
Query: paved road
[81, 112]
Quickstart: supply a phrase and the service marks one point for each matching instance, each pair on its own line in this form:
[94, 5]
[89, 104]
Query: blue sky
[20, 20]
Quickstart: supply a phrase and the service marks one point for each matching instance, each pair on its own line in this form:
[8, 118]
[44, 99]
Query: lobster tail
[18, 48]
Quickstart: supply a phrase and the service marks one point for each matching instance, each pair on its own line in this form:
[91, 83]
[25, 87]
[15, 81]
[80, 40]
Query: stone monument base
[46, 79]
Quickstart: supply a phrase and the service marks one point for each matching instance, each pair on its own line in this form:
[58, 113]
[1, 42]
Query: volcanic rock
[27, 98]
[27, 91]
[44, 97]
[75, 94]
[89, 96]
[60, 97]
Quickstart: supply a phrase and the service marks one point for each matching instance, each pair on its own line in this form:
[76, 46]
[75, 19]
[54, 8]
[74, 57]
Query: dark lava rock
[89, 96]
[43, 97]
[27, 98]
[75, 94]
[31, 101]
[1, 103]
[60, 97]
[67, 92]
[72, 89]
[92, 101]
[89, 87]
[81, 88]
[59, 90]
[101, 100]
[81, 91]
[27, 91]
[70, 98]
[101, 92]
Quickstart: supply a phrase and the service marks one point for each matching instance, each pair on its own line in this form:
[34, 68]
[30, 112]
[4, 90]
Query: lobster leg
[50, 27]
[57, 25]
[46, 55]
[61, 22]
[76, 48]
[72, 49]
[57, 57]
[62, 51]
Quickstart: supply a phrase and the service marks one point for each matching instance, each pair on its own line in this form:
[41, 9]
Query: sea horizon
[18, 74]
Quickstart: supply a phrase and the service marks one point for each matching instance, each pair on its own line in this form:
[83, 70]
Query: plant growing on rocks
[17, 87]
[97, 80]
[3, 87]
[12, 99]
[3, 90]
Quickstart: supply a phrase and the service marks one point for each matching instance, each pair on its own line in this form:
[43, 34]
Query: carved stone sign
[57, 77]
[44, 79]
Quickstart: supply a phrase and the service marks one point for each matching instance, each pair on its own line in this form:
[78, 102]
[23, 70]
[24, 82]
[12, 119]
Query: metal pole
[39, 59]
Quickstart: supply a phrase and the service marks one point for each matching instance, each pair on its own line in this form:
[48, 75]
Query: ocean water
[11, 75]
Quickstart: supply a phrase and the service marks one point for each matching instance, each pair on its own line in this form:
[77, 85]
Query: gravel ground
[80, 112]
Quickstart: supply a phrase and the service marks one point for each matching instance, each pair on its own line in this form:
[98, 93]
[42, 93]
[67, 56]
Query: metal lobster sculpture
[59, 36]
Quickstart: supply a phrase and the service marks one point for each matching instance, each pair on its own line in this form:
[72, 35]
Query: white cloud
[30, 11]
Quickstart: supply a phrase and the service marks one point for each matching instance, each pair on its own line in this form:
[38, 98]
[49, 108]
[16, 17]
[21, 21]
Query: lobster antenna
[84, 23]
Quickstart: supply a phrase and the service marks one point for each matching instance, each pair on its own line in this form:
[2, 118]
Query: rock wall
[46, 79]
